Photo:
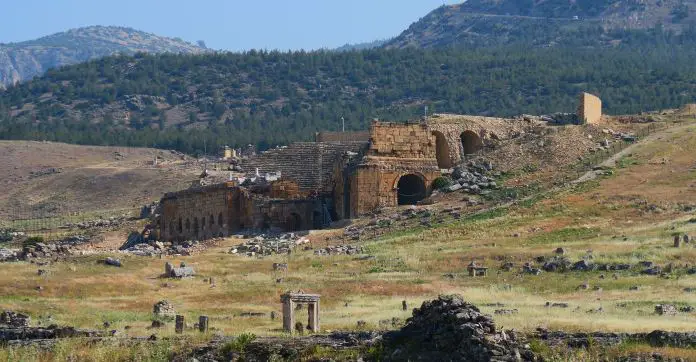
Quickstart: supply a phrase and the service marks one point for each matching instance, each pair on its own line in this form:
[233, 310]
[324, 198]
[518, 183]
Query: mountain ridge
[545, 23]
[21, 61]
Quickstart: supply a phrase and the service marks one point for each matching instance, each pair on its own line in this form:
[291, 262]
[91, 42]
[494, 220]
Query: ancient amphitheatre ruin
[385, 235]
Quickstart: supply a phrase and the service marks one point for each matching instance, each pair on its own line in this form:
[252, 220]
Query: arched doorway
[471, 142]
[266, 223]
[294, 222]
[442, 150]
[410, 189]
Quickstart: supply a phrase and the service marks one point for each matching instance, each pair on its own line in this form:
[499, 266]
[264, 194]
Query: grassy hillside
[267, 98]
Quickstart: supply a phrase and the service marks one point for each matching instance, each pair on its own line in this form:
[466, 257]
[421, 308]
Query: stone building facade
[341, 175]
[224, 209]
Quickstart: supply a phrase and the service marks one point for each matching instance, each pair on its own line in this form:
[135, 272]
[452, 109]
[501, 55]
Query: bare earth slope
[40, 179]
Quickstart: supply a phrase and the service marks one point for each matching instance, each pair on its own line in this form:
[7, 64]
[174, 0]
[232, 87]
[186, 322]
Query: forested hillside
[192, 102]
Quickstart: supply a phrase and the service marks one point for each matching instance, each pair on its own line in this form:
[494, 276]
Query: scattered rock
[449, 329]
[14, 319]
[113, 262]
[163, 309]
[665, 309]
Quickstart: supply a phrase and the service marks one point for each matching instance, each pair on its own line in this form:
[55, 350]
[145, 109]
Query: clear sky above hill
[224, 24]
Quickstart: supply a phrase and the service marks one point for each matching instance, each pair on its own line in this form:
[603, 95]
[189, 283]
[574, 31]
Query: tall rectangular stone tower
[590, 108]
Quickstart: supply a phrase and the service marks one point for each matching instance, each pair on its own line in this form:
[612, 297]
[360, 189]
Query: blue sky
[223, 24]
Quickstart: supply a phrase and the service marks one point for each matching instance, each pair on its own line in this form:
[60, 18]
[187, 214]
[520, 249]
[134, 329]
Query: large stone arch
[442, 150]
[410, 188]
[471, 142]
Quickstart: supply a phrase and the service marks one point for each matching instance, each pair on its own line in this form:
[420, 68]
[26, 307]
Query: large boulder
[450, 329]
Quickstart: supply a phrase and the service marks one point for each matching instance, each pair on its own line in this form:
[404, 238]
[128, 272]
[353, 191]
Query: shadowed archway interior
[471, 142]
[410, 189]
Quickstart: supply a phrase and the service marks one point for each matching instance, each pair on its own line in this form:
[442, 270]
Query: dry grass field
[629, 216]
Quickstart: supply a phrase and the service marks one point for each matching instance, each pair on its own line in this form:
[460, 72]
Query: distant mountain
[547, 22]
[362, 46]
[23, 61]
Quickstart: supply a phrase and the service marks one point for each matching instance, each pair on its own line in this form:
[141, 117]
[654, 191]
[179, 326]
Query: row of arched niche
[411, 187]
[470, 144]
[186, 225]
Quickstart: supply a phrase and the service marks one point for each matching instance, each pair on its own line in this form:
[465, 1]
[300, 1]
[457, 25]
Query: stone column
[179, 324]
[313, 322]
[288, 315]
[203, 323]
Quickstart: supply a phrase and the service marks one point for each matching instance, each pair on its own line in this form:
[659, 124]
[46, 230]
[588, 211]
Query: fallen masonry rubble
[15, 329]
[98, 223]
[163, 309]
[655, 338]
[152, 248]
[267, 244]
[339, 250]
[183, 271]
[448, 329]
[473, 178]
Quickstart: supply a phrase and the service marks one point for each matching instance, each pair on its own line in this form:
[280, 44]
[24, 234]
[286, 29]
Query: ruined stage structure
[307, 185]
[291, 300]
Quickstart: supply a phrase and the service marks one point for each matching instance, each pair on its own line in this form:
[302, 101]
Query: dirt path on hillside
[611, 161]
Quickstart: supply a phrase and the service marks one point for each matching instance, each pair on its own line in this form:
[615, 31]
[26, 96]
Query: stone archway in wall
[293, 222]
[442, 150]
[410, 189]
[471, 142]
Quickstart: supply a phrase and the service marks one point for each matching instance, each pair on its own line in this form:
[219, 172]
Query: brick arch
[442, 150]
[471, 142]
[410, 187]
[453, 132]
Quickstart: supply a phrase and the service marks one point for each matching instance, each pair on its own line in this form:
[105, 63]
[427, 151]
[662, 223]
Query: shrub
[239, 344]
[32, 241]
[441, 182]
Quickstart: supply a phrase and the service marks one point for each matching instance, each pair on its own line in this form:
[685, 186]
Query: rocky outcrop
[450, 329]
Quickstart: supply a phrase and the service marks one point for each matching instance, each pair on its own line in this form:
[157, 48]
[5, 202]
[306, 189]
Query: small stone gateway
[290, 300]
[476, 270]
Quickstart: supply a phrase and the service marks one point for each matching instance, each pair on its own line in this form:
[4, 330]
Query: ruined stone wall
[480, 130]
[356, 136]
[402, 140]
[374, 184]
[285, 189]
[196, 214]
[223, 209]
[590, 108]
[288, 215]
